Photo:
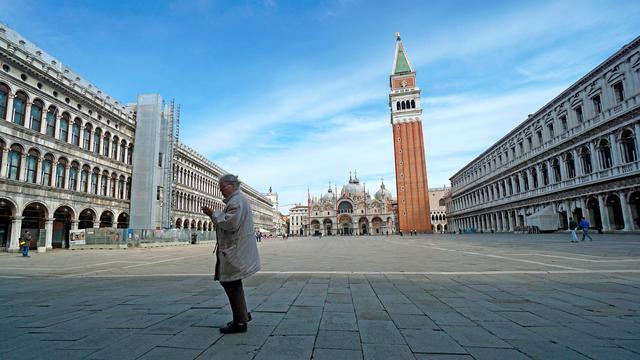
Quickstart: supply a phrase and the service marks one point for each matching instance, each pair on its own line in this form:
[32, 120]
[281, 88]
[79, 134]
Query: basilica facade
[352, 211]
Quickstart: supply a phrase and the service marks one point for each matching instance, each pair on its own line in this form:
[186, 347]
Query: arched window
[628, 143]
[97, 136]
[73, 175]
[103, 183]
[404, 105]
[19, 108]
[571, 166]
[114, 148]
[75, 132]
[32, 165]
[556, 170]
[121, 187]
[47, 167]
[130, 155]
[51, 121]
[94, 180]
[84, 178]
[4, 98]
[545, 174]
[86, 137]
[114, 182]
[36, 115]
[413, 104]
[61, 170]
[14, 162]
[129, 188]
[397, 105]
[585, 160]
[123, 148]
[107, 142]
[64, 127]
[605, 154]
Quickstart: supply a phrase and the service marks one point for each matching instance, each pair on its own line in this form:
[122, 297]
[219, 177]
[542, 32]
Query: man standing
[573, 225]
[26, 243]
[584, 225]
[236, 249]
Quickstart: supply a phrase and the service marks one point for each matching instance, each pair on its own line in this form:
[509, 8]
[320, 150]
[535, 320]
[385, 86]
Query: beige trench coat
[236, 251]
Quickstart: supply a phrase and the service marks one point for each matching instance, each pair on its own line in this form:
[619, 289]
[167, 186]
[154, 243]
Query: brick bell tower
[408, 145]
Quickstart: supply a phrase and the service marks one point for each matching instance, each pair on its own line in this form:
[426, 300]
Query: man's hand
[207, 210]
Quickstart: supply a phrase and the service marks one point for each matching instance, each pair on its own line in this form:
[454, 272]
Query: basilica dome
[353, 187]
[383, 193]
[328, 196]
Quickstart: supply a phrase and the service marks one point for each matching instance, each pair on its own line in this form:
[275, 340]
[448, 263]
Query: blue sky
[293, 94]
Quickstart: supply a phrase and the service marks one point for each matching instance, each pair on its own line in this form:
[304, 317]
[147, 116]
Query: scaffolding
[172, 119]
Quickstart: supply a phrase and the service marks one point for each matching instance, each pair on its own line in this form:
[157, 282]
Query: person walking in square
[573, 225]
[25, 243]
[236, 250]
[584, 225]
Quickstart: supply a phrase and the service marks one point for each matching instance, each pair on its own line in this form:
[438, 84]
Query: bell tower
[408, 145]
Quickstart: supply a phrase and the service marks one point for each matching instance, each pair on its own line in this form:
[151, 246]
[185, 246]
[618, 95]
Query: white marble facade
[576, 156]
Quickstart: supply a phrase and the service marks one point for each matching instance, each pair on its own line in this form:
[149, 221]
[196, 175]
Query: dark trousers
[235, 293]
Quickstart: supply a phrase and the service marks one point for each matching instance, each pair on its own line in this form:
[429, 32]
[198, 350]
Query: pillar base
[42, 249]
[14, 250]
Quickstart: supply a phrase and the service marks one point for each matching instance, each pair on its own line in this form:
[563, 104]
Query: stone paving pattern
[426, 297]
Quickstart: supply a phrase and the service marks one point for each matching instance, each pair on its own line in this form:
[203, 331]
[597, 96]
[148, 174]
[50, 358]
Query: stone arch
[87, 218]
[63, 217]
[8, 210]
[123, 220]
[377, 225]
[614, 211]
[34, 215]
[107, 219]
[178, 223]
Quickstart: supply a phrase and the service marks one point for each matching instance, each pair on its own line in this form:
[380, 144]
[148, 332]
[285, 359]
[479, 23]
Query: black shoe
[231, 322]
[234, 328]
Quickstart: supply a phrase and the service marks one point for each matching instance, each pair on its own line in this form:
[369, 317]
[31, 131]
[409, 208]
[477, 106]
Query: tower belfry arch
[408, 144]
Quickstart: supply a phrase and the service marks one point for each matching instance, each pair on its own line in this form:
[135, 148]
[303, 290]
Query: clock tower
[408, 145]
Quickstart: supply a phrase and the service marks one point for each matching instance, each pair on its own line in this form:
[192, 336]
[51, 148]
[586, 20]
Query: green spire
[402, 65]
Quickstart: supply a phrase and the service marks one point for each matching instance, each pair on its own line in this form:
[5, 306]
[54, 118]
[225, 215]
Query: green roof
[402, 65]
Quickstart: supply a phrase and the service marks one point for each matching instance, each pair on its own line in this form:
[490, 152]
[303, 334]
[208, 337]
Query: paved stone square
[481, 296]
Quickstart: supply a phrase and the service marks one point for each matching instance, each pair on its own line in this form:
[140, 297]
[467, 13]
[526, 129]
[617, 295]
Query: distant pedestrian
[25, 243]
[573, 225]
[584, 225]
[236, 251]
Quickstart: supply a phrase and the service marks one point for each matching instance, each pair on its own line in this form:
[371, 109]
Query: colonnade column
[66, 177]
[27, 115]
[10, 107]
[585, 211]
[577, 163]
[615, 150]
[5, 157]
[512, 220]
[56, 131]
[604, 214]
[626, 212]
[39, 171]
[16, 228]
[48, 225]
[81, 137]
[23, 167]
[43, 121]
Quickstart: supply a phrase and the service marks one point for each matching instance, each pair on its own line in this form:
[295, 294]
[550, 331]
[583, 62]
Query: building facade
[576, 156]
[408, 145]
[298, 220]
[67, 153]
[438, 208]
[352, 212]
